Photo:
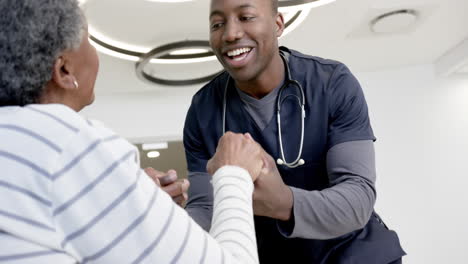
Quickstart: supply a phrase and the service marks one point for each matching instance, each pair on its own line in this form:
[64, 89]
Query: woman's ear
[279, 24]
[62, 76]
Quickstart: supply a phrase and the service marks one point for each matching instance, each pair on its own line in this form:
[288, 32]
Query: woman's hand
[237, 150]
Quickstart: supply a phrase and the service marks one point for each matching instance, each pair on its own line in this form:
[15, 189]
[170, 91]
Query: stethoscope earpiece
[279, 162]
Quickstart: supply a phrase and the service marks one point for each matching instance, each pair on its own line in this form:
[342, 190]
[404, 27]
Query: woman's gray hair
[33, 33]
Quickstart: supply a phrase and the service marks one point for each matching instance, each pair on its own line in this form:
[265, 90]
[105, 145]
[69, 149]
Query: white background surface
[421, 123]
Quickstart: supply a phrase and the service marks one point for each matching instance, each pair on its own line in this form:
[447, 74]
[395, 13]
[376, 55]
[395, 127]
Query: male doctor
[320, 208]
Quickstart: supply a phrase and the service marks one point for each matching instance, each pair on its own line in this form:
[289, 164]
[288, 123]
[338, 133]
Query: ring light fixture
[187, 51]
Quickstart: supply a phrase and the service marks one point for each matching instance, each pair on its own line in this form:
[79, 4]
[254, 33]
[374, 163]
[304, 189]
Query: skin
[252, 24]
[80, 66]
[169, 182]
[237, 150]
[271, 197]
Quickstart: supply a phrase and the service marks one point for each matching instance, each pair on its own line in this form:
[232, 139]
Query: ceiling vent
[395, 21]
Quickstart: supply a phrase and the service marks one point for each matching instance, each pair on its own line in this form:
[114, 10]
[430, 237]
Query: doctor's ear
[279, 24]
[62, 74]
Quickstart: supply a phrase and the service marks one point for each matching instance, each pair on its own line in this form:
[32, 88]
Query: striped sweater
[72, 191]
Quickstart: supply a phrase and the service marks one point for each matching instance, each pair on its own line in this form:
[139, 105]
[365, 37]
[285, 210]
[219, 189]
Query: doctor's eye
[215, 26]
[247, 18]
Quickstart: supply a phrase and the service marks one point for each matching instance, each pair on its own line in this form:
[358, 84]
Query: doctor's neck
[266, 81]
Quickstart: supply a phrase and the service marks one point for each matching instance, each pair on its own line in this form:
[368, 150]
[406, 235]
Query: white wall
[421, 123]
[144, 116]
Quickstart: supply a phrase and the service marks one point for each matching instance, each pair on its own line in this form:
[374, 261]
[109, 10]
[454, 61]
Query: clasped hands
[271, 197]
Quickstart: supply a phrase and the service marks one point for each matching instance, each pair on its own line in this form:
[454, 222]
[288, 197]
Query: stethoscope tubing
[288, 82]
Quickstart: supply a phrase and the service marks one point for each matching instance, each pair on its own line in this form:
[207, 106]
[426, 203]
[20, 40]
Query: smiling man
[316, 203]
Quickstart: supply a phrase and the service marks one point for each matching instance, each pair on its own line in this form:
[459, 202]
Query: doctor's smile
[238, 57]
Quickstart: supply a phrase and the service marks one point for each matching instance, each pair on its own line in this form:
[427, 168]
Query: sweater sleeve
[108, 211]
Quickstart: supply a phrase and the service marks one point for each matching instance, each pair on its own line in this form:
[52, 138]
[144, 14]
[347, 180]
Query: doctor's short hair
[33, 33]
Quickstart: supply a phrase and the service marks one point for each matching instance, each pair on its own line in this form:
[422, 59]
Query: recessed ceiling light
[153, 154]
[150, 146]
[394, 21]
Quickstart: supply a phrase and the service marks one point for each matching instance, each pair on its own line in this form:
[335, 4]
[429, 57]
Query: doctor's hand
[271, 197]
[237, 150]
[168, 181]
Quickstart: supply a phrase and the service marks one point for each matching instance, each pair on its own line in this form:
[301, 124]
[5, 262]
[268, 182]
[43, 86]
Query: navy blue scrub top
[336, 112]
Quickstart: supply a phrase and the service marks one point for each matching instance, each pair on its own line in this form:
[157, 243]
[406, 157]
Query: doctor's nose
[232, 32]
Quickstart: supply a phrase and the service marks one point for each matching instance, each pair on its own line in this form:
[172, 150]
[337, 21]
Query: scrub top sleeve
[348, 112]
[342, 208]
[195, 150]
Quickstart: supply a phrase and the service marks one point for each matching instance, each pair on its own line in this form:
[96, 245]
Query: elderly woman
[72, 191]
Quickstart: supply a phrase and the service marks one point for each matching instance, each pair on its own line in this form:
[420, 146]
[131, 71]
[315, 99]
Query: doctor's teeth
[237, 52]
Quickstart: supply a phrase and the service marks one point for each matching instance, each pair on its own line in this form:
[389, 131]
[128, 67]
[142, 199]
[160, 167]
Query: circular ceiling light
[394, 21]
[172, 50]
[187, 55]
[134, 53]
[295, 12]
[288, 5]
[293, 20]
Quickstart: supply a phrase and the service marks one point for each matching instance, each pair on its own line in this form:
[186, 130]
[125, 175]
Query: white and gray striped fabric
[73, 192]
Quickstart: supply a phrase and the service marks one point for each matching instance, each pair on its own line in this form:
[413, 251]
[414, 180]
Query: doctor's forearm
[348, 204]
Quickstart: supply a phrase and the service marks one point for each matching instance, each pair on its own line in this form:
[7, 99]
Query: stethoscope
[301, 102]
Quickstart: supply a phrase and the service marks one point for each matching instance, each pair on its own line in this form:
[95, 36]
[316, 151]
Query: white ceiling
[339, 31]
